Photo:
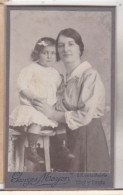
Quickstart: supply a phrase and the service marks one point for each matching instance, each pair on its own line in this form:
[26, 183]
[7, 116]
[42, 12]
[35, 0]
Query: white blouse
[83, 98]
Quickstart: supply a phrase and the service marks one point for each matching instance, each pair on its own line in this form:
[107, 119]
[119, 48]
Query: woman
[80, 107]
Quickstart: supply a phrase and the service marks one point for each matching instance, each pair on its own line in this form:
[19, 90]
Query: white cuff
[70, 122]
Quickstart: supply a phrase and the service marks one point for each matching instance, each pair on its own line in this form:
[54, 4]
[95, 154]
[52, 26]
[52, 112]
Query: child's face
[48, 56]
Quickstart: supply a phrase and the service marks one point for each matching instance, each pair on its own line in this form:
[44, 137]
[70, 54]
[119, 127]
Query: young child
[38, 80]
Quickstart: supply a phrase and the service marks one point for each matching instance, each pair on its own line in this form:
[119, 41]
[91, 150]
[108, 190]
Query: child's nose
[49, 55]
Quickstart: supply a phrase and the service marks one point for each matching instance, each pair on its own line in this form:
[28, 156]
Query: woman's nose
[66, 47]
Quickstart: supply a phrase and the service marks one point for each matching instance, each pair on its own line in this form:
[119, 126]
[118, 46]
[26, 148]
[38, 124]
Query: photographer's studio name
[46, 179]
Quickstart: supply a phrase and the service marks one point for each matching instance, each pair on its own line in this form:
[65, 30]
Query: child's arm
[30, 96]
[27, 94]
[24, 82]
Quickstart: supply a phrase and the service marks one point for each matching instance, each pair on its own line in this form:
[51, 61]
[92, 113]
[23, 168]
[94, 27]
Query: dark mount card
[47, 165]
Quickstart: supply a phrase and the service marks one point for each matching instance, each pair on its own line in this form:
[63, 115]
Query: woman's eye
[53, 53]
[71, 44]
[44, 52]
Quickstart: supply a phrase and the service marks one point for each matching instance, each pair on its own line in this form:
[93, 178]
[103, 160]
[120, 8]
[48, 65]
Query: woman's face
[68, 50]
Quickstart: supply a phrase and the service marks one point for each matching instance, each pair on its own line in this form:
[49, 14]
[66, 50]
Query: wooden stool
[46, 145]
[17, 141]
[16, 151]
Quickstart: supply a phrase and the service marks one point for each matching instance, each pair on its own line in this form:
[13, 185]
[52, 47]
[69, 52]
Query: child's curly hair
[41, 43]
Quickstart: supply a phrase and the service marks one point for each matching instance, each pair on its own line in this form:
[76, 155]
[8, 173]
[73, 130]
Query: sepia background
[26, 27]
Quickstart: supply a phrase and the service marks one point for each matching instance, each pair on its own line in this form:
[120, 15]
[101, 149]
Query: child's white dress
[42, 82]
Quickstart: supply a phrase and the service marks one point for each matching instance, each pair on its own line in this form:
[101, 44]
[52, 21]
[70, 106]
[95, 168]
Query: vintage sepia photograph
[60, 96]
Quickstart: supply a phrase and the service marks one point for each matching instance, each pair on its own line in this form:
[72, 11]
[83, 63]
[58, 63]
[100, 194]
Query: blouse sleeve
[59, 79]
[91, 93]
[60, 85]
[60, 93]
[24, 78]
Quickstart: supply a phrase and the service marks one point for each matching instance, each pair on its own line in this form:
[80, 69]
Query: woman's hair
[69, 32]
[40, 45]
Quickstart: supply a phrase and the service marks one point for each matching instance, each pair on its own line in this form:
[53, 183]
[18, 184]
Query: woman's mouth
[67, 54]
[49, 60]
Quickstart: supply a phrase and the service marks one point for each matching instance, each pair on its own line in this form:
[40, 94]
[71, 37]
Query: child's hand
[40, 100]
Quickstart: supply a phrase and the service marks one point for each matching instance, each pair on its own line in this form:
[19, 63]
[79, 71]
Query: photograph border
[8, 9]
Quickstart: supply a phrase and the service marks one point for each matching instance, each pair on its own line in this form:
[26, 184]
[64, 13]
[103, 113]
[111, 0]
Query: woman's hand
[42, 106]
[49, 111]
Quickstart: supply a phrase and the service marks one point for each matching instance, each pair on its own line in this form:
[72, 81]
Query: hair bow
[42, 43]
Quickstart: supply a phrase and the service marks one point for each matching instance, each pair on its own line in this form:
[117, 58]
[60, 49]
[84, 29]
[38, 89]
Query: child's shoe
[31, 154]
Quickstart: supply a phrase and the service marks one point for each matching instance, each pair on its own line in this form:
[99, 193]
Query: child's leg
[34, 128]
[32, 136]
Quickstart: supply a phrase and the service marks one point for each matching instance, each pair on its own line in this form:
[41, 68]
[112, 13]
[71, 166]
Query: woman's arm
[91, 101]
[58, 116]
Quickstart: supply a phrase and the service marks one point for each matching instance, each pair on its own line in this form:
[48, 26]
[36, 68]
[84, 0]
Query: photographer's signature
[46, 179]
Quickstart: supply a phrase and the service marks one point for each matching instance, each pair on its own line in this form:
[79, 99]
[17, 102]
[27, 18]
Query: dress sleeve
[24, 78]
[92, 95]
